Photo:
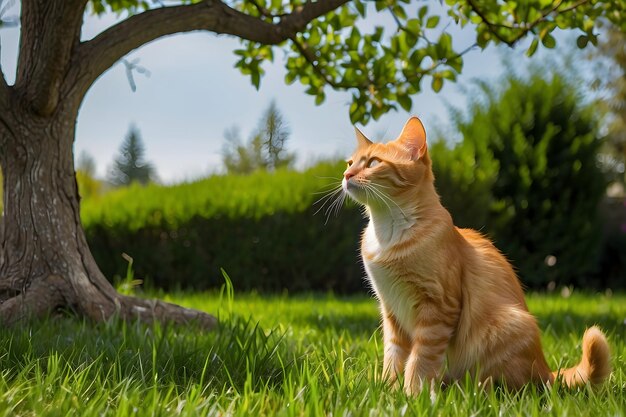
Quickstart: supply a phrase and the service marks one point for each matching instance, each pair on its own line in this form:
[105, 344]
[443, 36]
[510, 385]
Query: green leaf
[445, 43]
[422, 12]
[432, 22]
[548, 41]
[456, 64]
[377, 111]
[448, 75]
[413, 26]
[314, 37]
[437, 83]
[290, 77]
[353, 40]
[319, 99]
[360, 7]
[255, 77]
[405, 102]
[532, 48]
[582, 41]
[378, 33]
[356, 111]
[399, 12]
[483, 38]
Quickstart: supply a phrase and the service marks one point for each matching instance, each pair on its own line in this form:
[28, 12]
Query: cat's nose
[348, 175]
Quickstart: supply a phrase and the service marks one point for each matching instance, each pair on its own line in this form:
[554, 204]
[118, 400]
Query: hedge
[262, 229]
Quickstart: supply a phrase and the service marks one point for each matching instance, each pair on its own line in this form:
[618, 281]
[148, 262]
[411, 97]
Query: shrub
[526, 174]
[260, 228]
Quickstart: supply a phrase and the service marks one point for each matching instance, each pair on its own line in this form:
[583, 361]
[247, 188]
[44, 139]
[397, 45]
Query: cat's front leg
[396, 349]
[428, 350]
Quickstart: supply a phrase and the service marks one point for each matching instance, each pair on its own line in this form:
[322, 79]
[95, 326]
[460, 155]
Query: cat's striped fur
[450, 301]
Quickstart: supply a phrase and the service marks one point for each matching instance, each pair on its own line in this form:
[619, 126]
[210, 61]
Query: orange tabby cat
[446, 294]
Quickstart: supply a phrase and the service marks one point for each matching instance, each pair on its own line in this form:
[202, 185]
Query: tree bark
[45, 262]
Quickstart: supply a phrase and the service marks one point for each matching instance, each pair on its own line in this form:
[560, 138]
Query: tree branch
[312, 61]
[49, 34]
[97, 55]
[4, 88]
[523, 29]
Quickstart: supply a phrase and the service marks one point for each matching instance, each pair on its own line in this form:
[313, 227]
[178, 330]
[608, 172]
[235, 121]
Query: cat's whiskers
[335, 206]
[331, 202]
[386, 198]
[329, 195]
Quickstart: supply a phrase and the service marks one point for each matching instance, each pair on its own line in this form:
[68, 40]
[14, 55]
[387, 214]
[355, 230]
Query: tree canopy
[330, 44]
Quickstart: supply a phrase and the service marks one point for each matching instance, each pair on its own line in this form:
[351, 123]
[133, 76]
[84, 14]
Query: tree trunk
[45, 262]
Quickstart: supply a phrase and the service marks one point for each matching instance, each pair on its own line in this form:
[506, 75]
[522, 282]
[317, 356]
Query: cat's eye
[350, 162]
[373, 162]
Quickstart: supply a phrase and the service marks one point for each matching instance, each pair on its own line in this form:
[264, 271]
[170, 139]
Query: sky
[193, 94]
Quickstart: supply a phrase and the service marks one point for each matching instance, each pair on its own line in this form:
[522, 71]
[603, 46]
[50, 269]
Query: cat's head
[379, 172]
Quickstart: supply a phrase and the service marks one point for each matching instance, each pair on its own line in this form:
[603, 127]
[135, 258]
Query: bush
[260, 228]
[526, 175]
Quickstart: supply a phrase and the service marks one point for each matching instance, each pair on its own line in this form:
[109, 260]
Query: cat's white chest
[396, 295]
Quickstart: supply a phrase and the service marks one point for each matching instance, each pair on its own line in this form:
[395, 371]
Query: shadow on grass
[562, 323]
[238, 353]
[357, 325]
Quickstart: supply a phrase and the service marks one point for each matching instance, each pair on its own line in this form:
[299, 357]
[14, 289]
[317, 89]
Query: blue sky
[194, 93]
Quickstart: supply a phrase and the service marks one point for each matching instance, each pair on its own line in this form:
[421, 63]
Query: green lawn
[278, 355]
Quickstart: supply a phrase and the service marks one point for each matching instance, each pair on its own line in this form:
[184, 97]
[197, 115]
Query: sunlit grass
[276, 355]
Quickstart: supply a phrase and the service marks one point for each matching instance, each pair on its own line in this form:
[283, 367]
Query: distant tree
[130, 165]
[610, 58]
[88, 184]
[274, 135]
[242, 158]
[266, 149]
[86, 164]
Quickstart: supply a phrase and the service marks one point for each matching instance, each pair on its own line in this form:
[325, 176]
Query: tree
[611, 70]
[266, 150]
[242, 158]
[86, 163]
[274, 135]
[45, 262]
[129, 166]
[88, 185]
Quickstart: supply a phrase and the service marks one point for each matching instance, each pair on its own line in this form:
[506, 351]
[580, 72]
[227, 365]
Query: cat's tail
[594, 367]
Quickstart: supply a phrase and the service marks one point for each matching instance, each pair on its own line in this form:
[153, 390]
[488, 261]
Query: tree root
[160, 311]
[46, 296]
[42, 298]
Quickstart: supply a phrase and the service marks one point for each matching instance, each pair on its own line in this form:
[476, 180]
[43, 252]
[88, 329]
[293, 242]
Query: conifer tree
[130, 165]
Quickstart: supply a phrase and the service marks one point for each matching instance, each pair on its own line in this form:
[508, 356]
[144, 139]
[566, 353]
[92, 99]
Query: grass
[276, 355]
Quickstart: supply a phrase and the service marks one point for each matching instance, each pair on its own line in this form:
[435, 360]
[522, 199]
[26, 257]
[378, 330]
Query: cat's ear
[361, 139]
[413, 138]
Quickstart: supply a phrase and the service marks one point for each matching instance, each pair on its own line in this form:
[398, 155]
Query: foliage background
[526, 174]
